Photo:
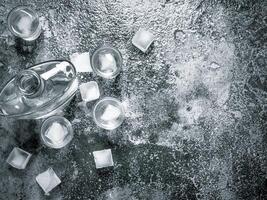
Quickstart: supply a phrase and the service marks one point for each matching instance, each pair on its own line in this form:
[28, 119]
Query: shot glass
[106, 62]
[56, 132]
[108, 113]
[24, 23]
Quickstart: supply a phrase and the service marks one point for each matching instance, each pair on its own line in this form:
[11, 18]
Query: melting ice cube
[81, 61]
[143, 39]
[18, 158]
[48, 180]
[56, 133]
[89, 91]
[110, 113]
[103, 158]
[107, 62]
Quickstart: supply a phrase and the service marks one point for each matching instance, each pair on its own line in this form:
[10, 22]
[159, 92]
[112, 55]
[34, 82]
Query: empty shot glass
[106, 62]
[24, 23]
[108, 113]
[56, 132]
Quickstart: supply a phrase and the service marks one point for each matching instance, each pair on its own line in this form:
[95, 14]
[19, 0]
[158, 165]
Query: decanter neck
[29, 83]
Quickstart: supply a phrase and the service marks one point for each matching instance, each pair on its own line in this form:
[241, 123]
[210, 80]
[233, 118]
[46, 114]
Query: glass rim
[28, 72]
[99, 72]
[102, 100]
[17, 8]
[55, 119]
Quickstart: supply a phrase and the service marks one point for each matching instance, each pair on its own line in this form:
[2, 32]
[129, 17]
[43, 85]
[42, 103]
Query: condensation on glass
[24, 23]
[106, 62]
[108, 113]
[56, 132]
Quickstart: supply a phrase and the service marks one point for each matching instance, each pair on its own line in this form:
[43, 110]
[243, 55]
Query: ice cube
[103, 158]
[107, 63]
[48, 180]
[18, 158]
[56, 133]
[110, 113]
[143, 39]
[25, 25]
[81, 61]
[89, 91]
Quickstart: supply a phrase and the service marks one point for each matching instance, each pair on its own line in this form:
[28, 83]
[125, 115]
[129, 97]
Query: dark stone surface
[196, 101]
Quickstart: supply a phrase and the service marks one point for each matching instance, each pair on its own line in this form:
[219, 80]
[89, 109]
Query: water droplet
[179, 35]
[214, 65]
[189, 108]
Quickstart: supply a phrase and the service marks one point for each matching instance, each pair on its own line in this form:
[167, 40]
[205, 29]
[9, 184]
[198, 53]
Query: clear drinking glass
[108, 113]
[24, 22]
[56, 132]
[107, 62]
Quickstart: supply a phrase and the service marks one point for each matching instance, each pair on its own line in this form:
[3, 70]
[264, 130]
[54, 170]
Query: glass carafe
[39, 91]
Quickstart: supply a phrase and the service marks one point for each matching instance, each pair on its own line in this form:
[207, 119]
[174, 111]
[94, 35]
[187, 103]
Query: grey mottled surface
[196, 101]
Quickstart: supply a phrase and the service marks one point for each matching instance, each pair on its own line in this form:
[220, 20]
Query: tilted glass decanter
[39, 91]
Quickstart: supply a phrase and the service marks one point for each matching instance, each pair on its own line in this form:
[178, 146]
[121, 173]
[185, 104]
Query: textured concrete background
[196, 101]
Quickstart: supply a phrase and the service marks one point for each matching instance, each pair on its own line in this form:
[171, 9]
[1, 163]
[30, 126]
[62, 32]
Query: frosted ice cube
[56, 133]
[48, 180]
[25, 25]
[81, 61]
[18, 158]
[143, 39]
[89, 91]
[107, 62]
[103, 158]
[110, 113]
